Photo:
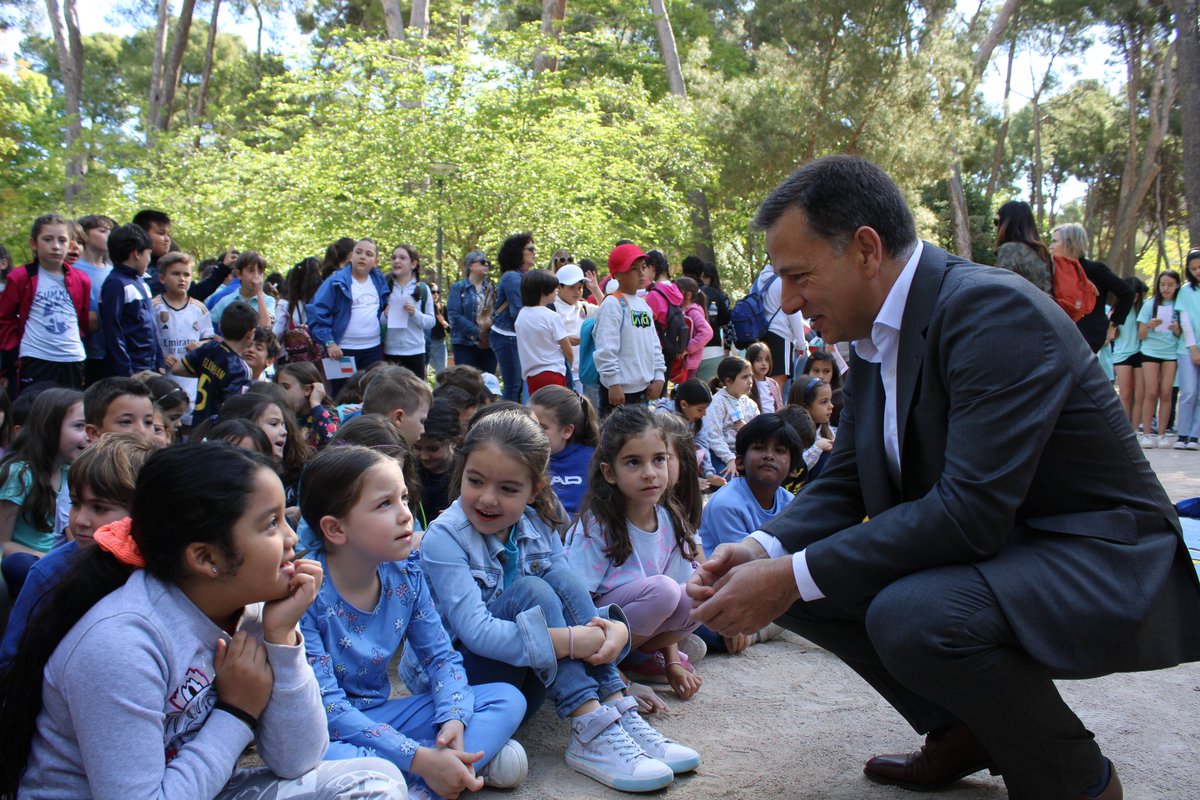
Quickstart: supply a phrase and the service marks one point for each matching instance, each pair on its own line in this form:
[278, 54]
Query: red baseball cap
[622, 257]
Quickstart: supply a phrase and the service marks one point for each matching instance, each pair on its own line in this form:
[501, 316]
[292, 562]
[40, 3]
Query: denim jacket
[463, 306]
[465, 574]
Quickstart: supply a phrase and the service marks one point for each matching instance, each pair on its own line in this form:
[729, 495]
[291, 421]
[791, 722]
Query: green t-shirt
[14, 491]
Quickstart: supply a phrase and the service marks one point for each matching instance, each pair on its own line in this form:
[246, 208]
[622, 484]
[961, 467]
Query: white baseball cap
[569, 275]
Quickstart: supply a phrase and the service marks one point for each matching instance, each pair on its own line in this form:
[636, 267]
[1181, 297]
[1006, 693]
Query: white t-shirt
[52, 330]
[179, 327]
[539, 331]
[573, 317]
[362, 333]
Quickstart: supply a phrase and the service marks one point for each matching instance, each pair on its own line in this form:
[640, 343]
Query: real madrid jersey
[179, 327]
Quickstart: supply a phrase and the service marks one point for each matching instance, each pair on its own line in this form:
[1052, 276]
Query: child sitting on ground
[31, 475]
[402, 397]
[434, 454]
[801, 422]
[373, 600]
[529, 619]
[765, 393]
[570, 424]
[731, 408]
[816, 397]
[306, 393]
[689, 402]
[633, 545]
[101, 485]
[117, 405]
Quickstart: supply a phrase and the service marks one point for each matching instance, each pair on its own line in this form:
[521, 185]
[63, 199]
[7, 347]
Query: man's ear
[869, 247]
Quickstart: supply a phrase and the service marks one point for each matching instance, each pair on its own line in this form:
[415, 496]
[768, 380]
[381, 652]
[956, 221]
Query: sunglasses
[562, 260]
[530, 248]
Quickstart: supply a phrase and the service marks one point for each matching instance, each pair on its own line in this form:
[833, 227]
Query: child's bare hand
[281, 616]
[647, 699]
[243, 675]
[317, 396]
[824, 445]
[448, 772]
[451, 735]
[716, 481]
[683, 683]
[615, 637]
[731, 470]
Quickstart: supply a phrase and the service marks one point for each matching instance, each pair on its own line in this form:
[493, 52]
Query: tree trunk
[958, 208]
[1002, 134]
[156, 69]
[68, 45]
[419, 21]
[393, 18]
[175, 64]
[1135, 184]
[1187, 26]
[211, 47]
[666, 42]
[554, 12]
[1035, 164]
[995, 34]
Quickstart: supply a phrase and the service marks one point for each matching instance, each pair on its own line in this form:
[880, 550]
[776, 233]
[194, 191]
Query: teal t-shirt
[1187, 301]
[1159, 342]
[1126, 345]
[14, 491]
[510, 559]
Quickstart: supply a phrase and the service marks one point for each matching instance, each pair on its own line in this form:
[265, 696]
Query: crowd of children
[243, 558]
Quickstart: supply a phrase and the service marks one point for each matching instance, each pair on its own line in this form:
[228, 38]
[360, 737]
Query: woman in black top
[1098, 328]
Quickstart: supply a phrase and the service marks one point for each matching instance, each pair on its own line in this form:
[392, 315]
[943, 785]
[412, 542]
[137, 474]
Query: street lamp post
[440, 170]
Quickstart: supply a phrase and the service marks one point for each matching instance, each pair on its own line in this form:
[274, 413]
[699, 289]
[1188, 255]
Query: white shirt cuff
[804, 580]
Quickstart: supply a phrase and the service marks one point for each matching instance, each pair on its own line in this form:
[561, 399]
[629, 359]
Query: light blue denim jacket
[465, 574]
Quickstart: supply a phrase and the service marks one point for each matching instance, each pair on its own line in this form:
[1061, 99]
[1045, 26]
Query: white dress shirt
[883, 348]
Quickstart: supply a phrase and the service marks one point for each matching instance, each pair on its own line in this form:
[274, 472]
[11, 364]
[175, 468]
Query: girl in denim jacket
[519, 614]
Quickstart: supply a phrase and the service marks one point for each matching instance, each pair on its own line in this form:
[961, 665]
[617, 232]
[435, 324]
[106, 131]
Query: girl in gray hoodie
[171, 646]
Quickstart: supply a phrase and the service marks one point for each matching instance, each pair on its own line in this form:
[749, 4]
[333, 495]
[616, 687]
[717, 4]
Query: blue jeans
[1187, 410]
[564, 600]
[470, 355]
[505, 348]
[498, 712]
[15, 568]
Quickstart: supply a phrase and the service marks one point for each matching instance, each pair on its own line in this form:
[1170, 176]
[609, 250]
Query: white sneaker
[670, 752]
[1147, 441]
[1180, 444]
[766, 634]
[1163, 441]
[507, 768]
[694, 648]
[1193, 444]
[601, 749]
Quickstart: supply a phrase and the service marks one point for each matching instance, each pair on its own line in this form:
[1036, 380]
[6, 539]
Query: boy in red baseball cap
[628, 355]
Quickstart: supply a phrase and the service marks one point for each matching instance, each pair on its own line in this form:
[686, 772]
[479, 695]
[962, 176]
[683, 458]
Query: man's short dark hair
[840, 194]
[148, 216]
[99, 396]
[764, 429]
[126, 240]
[237, 320]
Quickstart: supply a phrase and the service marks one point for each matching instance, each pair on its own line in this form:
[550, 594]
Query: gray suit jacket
[1016, 456]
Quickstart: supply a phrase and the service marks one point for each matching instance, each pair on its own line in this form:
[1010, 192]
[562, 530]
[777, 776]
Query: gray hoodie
[128, 702]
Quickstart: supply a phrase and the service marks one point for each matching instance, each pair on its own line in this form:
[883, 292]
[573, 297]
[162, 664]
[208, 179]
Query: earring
[214, 570]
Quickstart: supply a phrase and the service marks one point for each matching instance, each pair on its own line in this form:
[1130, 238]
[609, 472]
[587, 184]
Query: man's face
[818, 279]
[160, 239]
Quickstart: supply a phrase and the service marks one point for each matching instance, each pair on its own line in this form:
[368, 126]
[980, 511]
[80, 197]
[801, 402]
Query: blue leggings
[499, 709]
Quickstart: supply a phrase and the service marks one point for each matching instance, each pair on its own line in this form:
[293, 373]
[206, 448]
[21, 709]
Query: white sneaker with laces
[601, 749]
[670, 752]
[507, 768]
[1146, 440]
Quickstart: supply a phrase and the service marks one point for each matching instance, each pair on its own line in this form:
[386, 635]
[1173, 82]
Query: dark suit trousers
[936, 645]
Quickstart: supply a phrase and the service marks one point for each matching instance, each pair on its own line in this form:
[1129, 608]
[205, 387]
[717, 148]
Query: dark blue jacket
[127, 321]
[329, 311]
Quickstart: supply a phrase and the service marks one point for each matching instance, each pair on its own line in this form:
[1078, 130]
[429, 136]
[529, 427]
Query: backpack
[673, 334]
[587, 353]
[298, 344]
[1071, 289]
[749, 317]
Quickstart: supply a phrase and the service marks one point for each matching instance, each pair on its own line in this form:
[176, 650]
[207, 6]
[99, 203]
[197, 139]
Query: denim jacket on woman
[465, 574]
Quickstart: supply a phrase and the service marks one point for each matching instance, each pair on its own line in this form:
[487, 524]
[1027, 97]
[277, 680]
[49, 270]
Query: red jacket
[18, 297]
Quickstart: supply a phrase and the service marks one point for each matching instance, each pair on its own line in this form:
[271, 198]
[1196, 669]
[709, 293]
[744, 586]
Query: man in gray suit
[986, 522]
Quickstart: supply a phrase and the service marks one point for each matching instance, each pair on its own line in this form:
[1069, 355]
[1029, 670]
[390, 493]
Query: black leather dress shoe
[948, 755]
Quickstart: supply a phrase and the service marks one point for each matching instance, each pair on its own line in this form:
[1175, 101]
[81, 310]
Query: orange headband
[117, 538]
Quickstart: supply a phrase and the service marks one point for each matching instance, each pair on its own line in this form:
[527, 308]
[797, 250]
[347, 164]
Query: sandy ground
[787, 720]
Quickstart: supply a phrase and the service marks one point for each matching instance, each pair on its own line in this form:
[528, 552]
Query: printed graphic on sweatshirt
[190, 704]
